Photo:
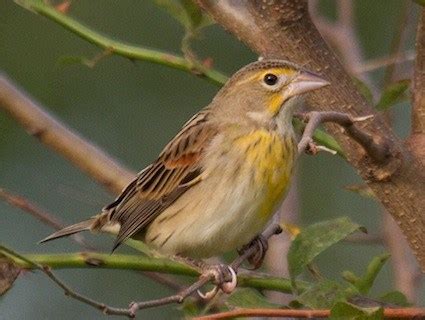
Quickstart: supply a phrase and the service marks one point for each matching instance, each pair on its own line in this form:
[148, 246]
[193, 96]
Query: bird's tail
[74, 228]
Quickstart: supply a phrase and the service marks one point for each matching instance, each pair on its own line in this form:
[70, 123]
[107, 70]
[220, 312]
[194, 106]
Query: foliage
[393, 94]
[315, 239]
[331, 294]
[348, 311]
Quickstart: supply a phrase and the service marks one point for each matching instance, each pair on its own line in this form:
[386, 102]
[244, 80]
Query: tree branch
[418, 112]
[67, 290]
[314, 119]
[393, 59]
[128, 262]
[204, 279]
[43, 216]
[289, 33]
[119, 48]
[404, 268]
[402, 313]
[54, 134]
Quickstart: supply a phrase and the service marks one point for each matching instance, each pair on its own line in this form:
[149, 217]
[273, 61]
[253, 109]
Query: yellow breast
[271, 157]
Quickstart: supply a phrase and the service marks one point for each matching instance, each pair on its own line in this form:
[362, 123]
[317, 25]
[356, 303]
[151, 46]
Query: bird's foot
[257, 258]
[224, 278]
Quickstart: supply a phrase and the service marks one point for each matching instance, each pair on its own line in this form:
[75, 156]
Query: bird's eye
[270, 79]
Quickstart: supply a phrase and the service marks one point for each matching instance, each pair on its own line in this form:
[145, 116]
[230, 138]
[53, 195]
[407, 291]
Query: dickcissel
[215, 186]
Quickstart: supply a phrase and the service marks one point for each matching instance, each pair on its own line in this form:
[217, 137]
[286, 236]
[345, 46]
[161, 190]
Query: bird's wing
[155, 188]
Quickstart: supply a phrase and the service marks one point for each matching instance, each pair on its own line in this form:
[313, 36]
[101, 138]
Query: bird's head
[266, 89]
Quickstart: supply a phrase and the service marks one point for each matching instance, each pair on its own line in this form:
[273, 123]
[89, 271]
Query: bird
[217, 183]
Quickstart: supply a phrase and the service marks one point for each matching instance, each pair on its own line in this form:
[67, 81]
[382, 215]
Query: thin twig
[204, 279]
[397, 41]
[119, 48]
[91, 260]
[99, 260]
[402, 313]
[406, 272]
[67, 290]
[342, 34]
[27, 206]
[378, 152]
[177, 298]
[374, 64]
[364, 239]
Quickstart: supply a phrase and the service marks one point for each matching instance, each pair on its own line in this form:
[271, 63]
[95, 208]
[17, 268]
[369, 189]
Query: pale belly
[224, 211]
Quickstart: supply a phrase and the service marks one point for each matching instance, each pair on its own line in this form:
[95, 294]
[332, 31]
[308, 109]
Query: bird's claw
[224, 278]
[256, 259]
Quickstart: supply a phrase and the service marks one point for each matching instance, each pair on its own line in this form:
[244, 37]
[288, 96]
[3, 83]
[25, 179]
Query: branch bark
[54, 134]
[416, 141]
[283, 29]
[405, 313]
[418, 112]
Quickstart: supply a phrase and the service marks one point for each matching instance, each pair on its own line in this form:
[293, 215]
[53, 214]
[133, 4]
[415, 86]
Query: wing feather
[155, 188]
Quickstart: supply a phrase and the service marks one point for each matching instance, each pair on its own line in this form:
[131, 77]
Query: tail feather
[67, 231]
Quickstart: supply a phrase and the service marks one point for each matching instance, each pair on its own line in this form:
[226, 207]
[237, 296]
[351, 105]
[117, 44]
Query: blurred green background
[131, 109]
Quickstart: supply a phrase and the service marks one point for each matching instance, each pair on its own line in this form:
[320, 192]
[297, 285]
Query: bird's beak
[304, 82]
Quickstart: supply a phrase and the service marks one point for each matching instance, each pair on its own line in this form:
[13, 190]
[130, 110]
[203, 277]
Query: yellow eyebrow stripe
[258, 76]
[276, 71]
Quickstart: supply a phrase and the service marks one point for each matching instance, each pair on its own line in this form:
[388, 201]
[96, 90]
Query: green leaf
[365, 283]
[395, 297]
[420, 2]
[315, 239]
[348, 311]
[364, 89]
[325, 294]
[248, 298]
[324, 139]
[393, 94]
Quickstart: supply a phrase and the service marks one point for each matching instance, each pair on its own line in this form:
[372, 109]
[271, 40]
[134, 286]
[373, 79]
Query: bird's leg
[256, 259]
[223, 276]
